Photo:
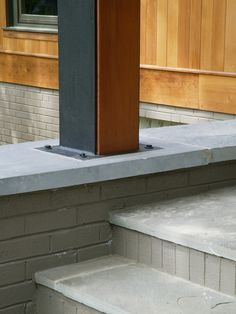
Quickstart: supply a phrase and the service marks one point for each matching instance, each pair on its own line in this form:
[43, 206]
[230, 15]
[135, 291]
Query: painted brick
[76, 238]
[132, 244]
[212, 271]
[30, 308]
[62, 218]
[94, 251]
[15, 294]
[164, 182]
[28, 105]
[119, 188]
[24, 247]
[49, 302]
[92, 213]
[197, 267]
[17, 309]
[157, 253]
[10, 228]
[212, 174]
[49, 261]
[145, 249]
[227, 276]
[105, 233]
[32, 95]
[11, 273]
[76, 196]
[182, 262]
[169, 257]
[118, 241]
[70, 309]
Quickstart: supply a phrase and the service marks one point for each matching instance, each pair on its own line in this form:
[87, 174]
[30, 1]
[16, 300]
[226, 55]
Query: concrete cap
[26, 169]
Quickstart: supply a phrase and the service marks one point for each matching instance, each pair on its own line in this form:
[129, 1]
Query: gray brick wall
[27, 113]
[150, 113]
[57, 227]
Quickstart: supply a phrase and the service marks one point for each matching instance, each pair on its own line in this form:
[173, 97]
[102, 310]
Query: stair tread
[113, 285]
[205, 222]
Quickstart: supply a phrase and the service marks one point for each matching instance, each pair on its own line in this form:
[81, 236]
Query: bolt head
[148, 146]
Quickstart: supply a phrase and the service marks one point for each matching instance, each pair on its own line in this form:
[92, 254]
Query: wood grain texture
[184, 33]
[143, 30]
[197, 90]
[189, 33]
[230, 38]
[118, 75]
[162, 18]
[172, 35]
[170, 88]
[151, 32]
[29, 70]
[218, 36]
[195, 34]
[2, 20]
[217, 93]
[27, 58]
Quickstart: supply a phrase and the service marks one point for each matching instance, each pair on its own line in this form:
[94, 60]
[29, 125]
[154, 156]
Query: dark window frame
[31, 21]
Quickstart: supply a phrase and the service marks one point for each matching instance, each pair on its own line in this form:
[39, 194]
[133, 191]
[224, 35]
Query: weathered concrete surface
[205, 222]
[136, 289]
[25, 169]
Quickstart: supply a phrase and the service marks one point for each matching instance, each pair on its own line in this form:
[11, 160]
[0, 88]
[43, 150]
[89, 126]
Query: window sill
[31, 29]
[22, 33]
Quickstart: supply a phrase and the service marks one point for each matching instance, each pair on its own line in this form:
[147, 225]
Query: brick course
[27, 113]
[57, 227]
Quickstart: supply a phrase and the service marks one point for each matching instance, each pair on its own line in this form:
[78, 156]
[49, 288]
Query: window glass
[39, 7]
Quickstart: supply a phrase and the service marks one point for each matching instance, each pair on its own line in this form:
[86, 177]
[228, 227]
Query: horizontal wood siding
[189, 34]
[27, 58]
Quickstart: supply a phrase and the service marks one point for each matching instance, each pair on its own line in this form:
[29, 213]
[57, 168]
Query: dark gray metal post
[77, 74]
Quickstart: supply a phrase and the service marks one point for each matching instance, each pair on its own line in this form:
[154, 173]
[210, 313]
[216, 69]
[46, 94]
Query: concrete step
[116, 285]
[191, 237]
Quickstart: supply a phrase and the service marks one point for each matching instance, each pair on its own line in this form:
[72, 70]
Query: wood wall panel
[230, 39]
[195, 34]
[191, 90]
[29, 70]
[192, 36]
[151, 32]
[184, 33]
[189, 34]
[170, 88]
[2, 20]
[217, 93]
[27, 58]
[172, 35]
[143, 30]
[162, 15]
[218, 35]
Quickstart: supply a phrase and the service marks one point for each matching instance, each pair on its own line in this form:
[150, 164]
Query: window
[35, 14]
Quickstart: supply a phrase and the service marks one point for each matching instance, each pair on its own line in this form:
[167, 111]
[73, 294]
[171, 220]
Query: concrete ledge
[26, 169]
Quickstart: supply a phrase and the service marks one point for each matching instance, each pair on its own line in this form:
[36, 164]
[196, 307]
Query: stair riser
[201, 268]
[51, 302]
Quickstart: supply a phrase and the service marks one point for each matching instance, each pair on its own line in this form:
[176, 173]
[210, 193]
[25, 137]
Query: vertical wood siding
[188, 48]
[197, 34]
